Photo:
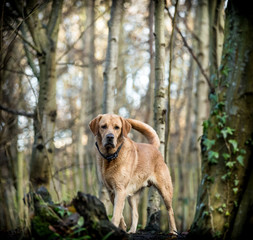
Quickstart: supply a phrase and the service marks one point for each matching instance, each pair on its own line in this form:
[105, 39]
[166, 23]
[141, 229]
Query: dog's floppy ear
[126, 127]
[94, 124]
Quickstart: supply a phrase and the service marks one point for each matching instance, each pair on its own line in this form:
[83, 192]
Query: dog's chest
[116, 175]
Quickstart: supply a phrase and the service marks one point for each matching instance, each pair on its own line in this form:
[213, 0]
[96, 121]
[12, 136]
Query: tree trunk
[9, 213]
[46, 42]
[202, 89]
[85, 96]
[224, 207]
[111, 66]
[111, 61]
[159, 105]
[216, 36]
[150, 94]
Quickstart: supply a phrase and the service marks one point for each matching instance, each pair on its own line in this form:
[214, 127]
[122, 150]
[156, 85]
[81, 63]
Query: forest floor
[140, 235]
[84, 218]
[147, 235]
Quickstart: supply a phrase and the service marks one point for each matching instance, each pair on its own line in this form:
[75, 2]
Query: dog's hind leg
[165, 188]
[133, 202]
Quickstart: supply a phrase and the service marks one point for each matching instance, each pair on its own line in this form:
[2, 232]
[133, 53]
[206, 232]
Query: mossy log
[95, 219]
[84, 217]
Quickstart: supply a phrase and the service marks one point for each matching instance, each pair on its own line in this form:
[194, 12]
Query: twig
[16, 112]
[167, 134]
[18, 72]
[194, 56]
[81, 35]
[23, 39]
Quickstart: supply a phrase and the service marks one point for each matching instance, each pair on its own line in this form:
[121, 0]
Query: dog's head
[110, 129]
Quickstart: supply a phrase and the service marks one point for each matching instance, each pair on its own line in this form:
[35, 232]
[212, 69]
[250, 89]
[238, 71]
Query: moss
[40, 228]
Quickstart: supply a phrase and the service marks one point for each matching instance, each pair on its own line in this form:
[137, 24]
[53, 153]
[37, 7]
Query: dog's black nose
[110, 137]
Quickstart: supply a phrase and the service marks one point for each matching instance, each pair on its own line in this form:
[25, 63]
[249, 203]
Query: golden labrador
[125, 167]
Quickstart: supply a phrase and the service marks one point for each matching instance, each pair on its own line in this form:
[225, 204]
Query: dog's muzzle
[109, 140]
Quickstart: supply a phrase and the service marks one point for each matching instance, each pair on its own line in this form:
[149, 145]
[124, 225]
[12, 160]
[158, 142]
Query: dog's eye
[116, 127]
[104, 126]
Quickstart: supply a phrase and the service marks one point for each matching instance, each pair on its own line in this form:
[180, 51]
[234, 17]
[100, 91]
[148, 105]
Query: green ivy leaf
[234, 144]
[217, 195]
[222, 119]
[230, 164]
[205, 125]
[227, 213]
[226, 156]
[213, 157]
[208, 143]
[243, 151]
[210, 179]
[224, 177]
[80, 221]
[220, 210]
[240, 160]
[235, 190]
[227, 131]
[205, 213]
[236, 182]
[213, 98]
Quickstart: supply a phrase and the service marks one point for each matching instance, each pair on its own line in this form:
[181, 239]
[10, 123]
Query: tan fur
[138, 165]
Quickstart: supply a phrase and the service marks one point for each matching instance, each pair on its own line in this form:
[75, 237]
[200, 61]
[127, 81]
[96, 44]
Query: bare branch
[16, 112]
[193, 55]
[54, 16]
[81, 35]
[23, 39]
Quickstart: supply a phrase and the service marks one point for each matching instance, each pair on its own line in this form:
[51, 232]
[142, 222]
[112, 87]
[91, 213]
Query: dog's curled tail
[145, 130]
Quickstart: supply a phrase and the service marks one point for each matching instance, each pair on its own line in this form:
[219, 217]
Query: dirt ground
[141, 235]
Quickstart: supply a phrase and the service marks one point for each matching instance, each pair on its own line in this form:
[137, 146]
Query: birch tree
[225, 201]
[216, 35]
[9, 217]
[111, 61]
[150, 94]
[44, 42]
[88, 51]
[111, 66]
[159, 105]
[202, 88]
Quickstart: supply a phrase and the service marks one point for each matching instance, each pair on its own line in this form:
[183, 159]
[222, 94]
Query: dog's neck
[112, 156]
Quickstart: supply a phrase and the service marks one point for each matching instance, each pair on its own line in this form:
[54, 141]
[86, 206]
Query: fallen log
[95, 219]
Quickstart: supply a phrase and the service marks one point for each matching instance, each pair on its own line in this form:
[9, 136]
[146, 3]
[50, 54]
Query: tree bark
[216, 36]
[202, 88]
[9, 213]
[45, 39]
[111, 66]
[224, 209]
[150, 93]
[159, 105]
[111, 61]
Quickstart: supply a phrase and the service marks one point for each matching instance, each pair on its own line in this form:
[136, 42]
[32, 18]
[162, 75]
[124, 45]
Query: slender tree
[159, 105]
[87, 60]
[111, 66]
[9, 217]
[202, 88]
[45, 43]
[111, 61]
[224, 206]
[216, 35]
[150, 94]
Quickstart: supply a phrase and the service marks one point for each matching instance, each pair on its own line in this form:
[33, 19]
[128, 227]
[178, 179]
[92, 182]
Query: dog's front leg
[119, 202]
[122, 223]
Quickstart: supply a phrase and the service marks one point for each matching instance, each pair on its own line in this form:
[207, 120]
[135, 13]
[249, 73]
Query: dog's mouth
[109, 145]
